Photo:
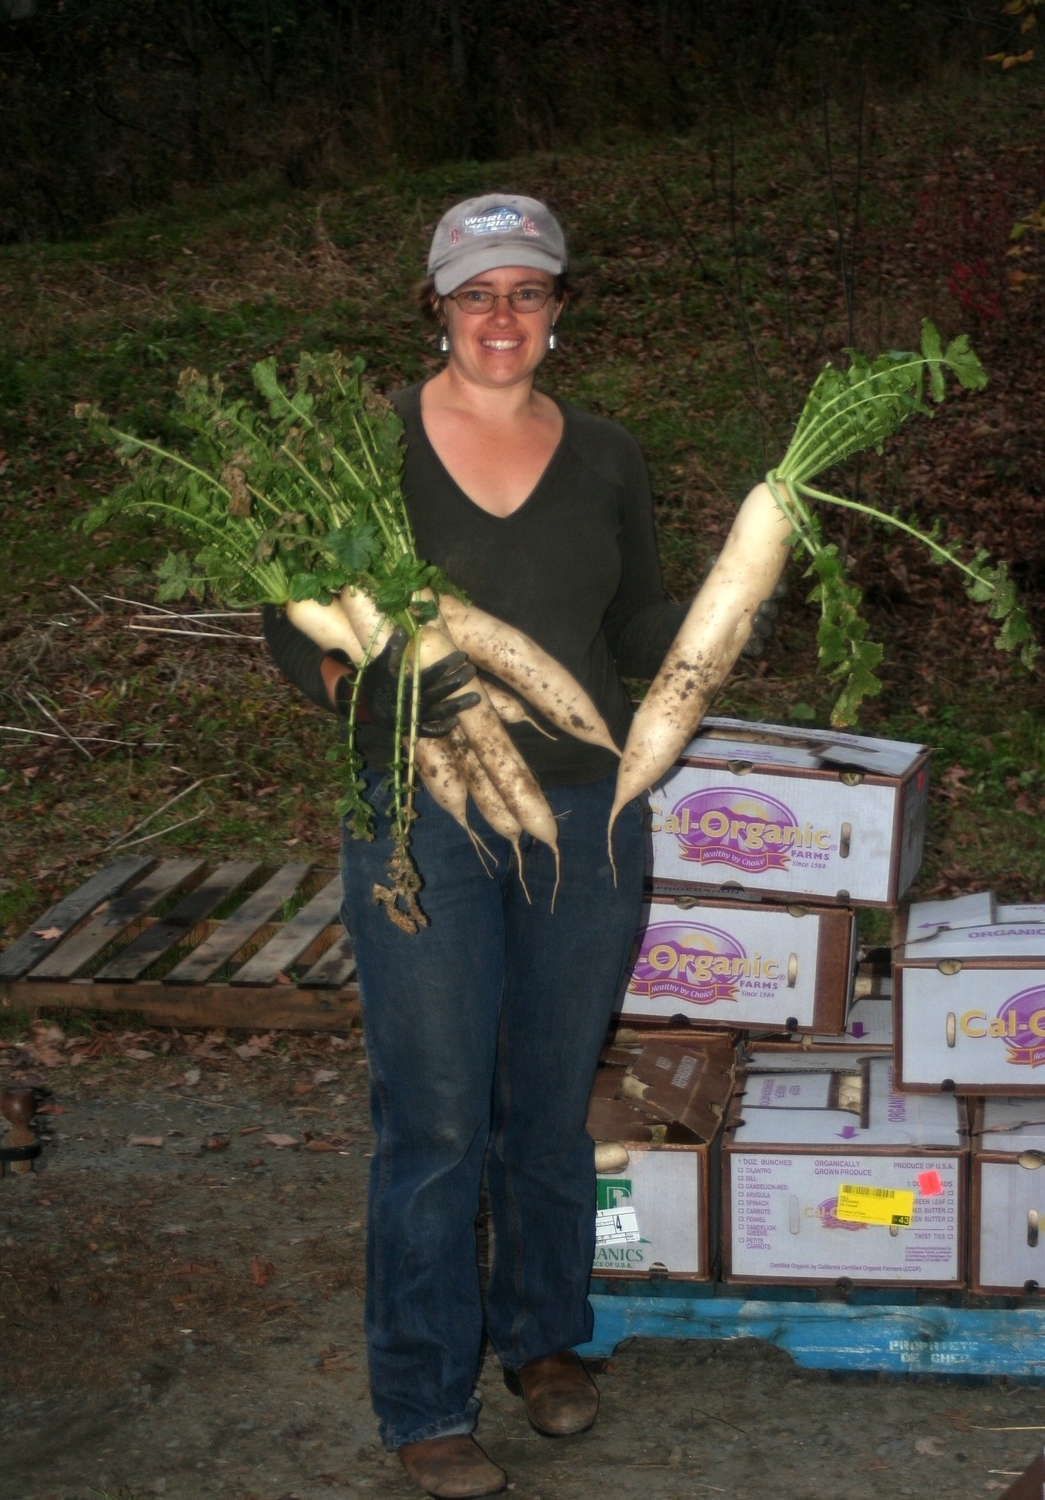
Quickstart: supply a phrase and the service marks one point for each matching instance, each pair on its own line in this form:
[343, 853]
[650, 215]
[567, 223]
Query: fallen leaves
[271, 1308]
[281, 1142]
[155, 1141]
[257, 1046]
[950, 785]
[930, 1447]
[46, 1045]
[314, 1142]
[334, 1358]
[261, 1271]
[216, 1142]
[49, 934]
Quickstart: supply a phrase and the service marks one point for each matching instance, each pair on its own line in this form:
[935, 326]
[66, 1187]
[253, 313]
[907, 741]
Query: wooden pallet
[881, 1330]
[141, 936]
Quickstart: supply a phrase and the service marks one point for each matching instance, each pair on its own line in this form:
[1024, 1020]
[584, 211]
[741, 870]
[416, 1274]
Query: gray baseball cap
[500, 229]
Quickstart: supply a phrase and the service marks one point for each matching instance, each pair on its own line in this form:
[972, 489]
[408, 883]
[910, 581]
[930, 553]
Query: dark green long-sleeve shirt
[575, 567]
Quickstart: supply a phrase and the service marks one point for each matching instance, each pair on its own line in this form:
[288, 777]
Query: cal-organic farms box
[658, 1211]
[823, 1194]
[793, 812]
[757, 965]
[969, 997]
[1008, 1196]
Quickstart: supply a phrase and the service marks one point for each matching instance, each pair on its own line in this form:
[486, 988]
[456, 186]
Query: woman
[483, 1030]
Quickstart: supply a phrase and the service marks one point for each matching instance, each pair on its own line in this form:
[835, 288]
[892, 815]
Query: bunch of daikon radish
[300, 505]
[845, 412]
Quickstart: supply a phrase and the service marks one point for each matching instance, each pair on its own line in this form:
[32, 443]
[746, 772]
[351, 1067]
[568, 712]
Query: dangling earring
[444, 343]
[553, 341]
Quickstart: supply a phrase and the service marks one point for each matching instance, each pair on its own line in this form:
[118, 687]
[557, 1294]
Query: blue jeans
[483, 1033]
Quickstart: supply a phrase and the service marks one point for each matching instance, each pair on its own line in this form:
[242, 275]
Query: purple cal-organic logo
[1023, 1017]
[694, 963]
[748, 830]
[827, 1213]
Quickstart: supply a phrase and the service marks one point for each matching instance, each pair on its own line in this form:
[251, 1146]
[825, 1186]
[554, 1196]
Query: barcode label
[861, 1203]
[616, 1226]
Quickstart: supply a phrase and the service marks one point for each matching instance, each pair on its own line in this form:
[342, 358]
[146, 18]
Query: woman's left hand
[379, 688]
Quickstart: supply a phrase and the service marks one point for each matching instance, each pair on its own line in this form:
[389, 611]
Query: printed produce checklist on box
[821, 1194]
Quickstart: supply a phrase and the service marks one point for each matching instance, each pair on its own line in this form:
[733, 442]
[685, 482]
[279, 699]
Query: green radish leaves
[845, 413]
[177, 577]
[285, 499]
[963, 363]
[994, 587]
[958, 358]
[354, 548]
[842, 644]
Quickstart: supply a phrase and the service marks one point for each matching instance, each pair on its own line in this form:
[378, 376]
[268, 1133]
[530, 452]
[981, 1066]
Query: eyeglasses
[525, 299]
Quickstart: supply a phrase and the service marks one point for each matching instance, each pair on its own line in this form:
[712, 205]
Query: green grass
[654, 339]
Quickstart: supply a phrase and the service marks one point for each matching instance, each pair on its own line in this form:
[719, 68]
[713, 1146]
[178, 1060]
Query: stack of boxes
[763, 841]
[970, 1024]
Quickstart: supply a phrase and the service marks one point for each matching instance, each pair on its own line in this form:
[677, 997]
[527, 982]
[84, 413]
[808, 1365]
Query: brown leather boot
[453, 1468]
[561, 1397]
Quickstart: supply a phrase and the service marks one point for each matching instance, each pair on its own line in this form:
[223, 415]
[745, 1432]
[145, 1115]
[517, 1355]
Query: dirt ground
[184, 1318]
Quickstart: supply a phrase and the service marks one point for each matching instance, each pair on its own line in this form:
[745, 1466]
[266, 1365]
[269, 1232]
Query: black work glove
[379, 689]
[763, 623]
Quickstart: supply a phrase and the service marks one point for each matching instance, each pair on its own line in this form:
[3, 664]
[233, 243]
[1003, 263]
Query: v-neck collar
[542, 479]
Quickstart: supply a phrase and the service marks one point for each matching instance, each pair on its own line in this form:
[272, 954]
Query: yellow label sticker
[861, 1204]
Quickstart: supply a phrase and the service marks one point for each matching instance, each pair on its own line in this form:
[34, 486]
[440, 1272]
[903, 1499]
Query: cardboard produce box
[758, 1057]
[1008, 1196]
[666, 1109]
[793, 1176]
[752, 965]
[791, 812]
[868, 1029]
[969, 996]
[868, 1022]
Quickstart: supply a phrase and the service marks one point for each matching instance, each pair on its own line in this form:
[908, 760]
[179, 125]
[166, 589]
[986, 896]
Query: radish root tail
[609, 846]
[484, 853]
[522, 878]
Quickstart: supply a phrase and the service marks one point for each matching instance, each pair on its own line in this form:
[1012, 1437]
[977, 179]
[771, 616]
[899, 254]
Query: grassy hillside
[709, 294]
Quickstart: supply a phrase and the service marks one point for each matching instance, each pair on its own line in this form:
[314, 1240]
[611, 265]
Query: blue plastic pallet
[871, 1330]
